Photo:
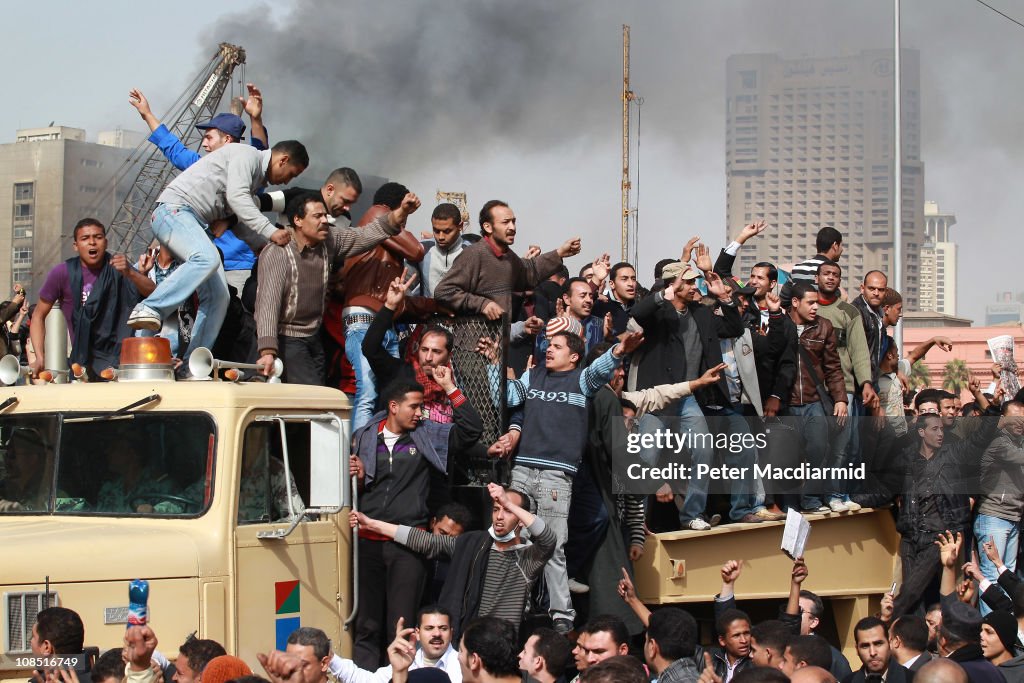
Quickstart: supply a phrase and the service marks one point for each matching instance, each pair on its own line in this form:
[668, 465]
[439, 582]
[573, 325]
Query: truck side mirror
[328, 456]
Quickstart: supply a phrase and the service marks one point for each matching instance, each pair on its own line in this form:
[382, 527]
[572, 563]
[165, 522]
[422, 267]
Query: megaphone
[202, 364]
[11, 370]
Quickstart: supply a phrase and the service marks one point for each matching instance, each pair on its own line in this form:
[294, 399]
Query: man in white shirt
[434, 634]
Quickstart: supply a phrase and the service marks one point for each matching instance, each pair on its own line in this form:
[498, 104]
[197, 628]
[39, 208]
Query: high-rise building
[938, 262]
[49, 179]
[809, 143]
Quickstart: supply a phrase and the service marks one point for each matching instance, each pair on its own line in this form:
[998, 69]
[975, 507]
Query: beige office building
[49, 179]
[809, 143]
[938, 262]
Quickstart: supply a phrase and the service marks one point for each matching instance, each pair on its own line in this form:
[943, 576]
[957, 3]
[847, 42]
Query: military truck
[230, 498]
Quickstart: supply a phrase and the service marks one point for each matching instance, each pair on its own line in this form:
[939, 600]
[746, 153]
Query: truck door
[292, 541]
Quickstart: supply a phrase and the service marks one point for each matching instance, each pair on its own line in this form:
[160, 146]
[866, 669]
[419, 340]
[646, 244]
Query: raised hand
[688, 249]
[532, 252]
[703, 259]
[402, 649]
[397, 289]
[774, 302]
[708, 675]
[253, 104]
[992, 553]
[800, 571]
[716, 287]
[752, 230]
[570, 247]
[139, 101]
[710, 376]
[601, 265]
[731, 571]
[949, 547]
[944, 343]
[631, 341]
[627, 591]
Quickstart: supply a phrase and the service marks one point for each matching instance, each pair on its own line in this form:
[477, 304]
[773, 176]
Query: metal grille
[471, 374]
[21, 610]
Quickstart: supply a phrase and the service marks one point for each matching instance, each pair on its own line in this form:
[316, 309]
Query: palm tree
[920, 376]
[956, 376]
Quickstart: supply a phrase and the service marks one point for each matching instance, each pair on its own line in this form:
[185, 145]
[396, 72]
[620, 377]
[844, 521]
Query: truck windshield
[153, 464]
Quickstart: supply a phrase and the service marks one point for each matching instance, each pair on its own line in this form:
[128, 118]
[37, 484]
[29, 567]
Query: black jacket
[979, 669]
[774, 352]
[874, 332]
[942, 478]
[895, 674]
[659, 359]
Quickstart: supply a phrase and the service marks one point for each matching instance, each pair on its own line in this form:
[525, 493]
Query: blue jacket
[237, 254]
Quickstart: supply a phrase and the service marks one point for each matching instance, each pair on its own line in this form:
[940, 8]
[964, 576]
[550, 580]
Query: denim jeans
[742, 491]
[366, 389]
[1004, 535]
[691, 419]
[551, 491]
[840, 453]
[814, 425]
[201, 271]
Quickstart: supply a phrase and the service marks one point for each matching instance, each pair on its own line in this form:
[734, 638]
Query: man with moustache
[433, 633]
[293, 281]
[621, 295]
[486, 274]
[872, 639]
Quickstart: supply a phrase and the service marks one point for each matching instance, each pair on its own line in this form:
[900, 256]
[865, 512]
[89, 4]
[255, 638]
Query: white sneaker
[577, 587]
[698, 524]
[837, 505]
[852, 507]
[144, 318]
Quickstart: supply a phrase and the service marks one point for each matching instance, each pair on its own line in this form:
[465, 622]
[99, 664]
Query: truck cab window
[26, 466]
[151, 465]
[264, 490]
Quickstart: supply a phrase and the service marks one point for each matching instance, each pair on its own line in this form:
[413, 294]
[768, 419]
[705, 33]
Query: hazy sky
[520, 100]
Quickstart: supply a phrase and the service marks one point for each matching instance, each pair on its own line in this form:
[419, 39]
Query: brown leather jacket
[819, 338]
[366, 277]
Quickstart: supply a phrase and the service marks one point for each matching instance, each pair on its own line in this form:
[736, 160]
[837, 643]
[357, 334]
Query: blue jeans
[366, 388]
[841, 452]
[1004, 535]
[814, 426]
[201, 271]
[742, 492]
[691, 419]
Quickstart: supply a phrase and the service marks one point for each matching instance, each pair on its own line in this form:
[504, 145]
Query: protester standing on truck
[402, 463]
[96, 291]
[220, 184]
[221, 130]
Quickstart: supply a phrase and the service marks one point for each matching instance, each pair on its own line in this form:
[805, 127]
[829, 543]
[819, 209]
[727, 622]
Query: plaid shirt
[683, 670]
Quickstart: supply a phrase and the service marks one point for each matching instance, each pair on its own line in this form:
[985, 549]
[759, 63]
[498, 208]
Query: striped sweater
[292, 280]
[509, 576]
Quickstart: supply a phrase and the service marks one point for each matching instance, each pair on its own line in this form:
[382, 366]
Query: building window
[21, 276]
[22, 256]
[91, 163]
[24, 191]
[748, 79]
[22, 231]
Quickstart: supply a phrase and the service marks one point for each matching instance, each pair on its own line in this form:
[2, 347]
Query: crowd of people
[582, 363]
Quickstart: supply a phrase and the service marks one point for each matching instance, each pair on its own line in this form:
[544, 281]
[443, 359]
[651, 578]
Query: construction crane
[129, 229]
[628, 97]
